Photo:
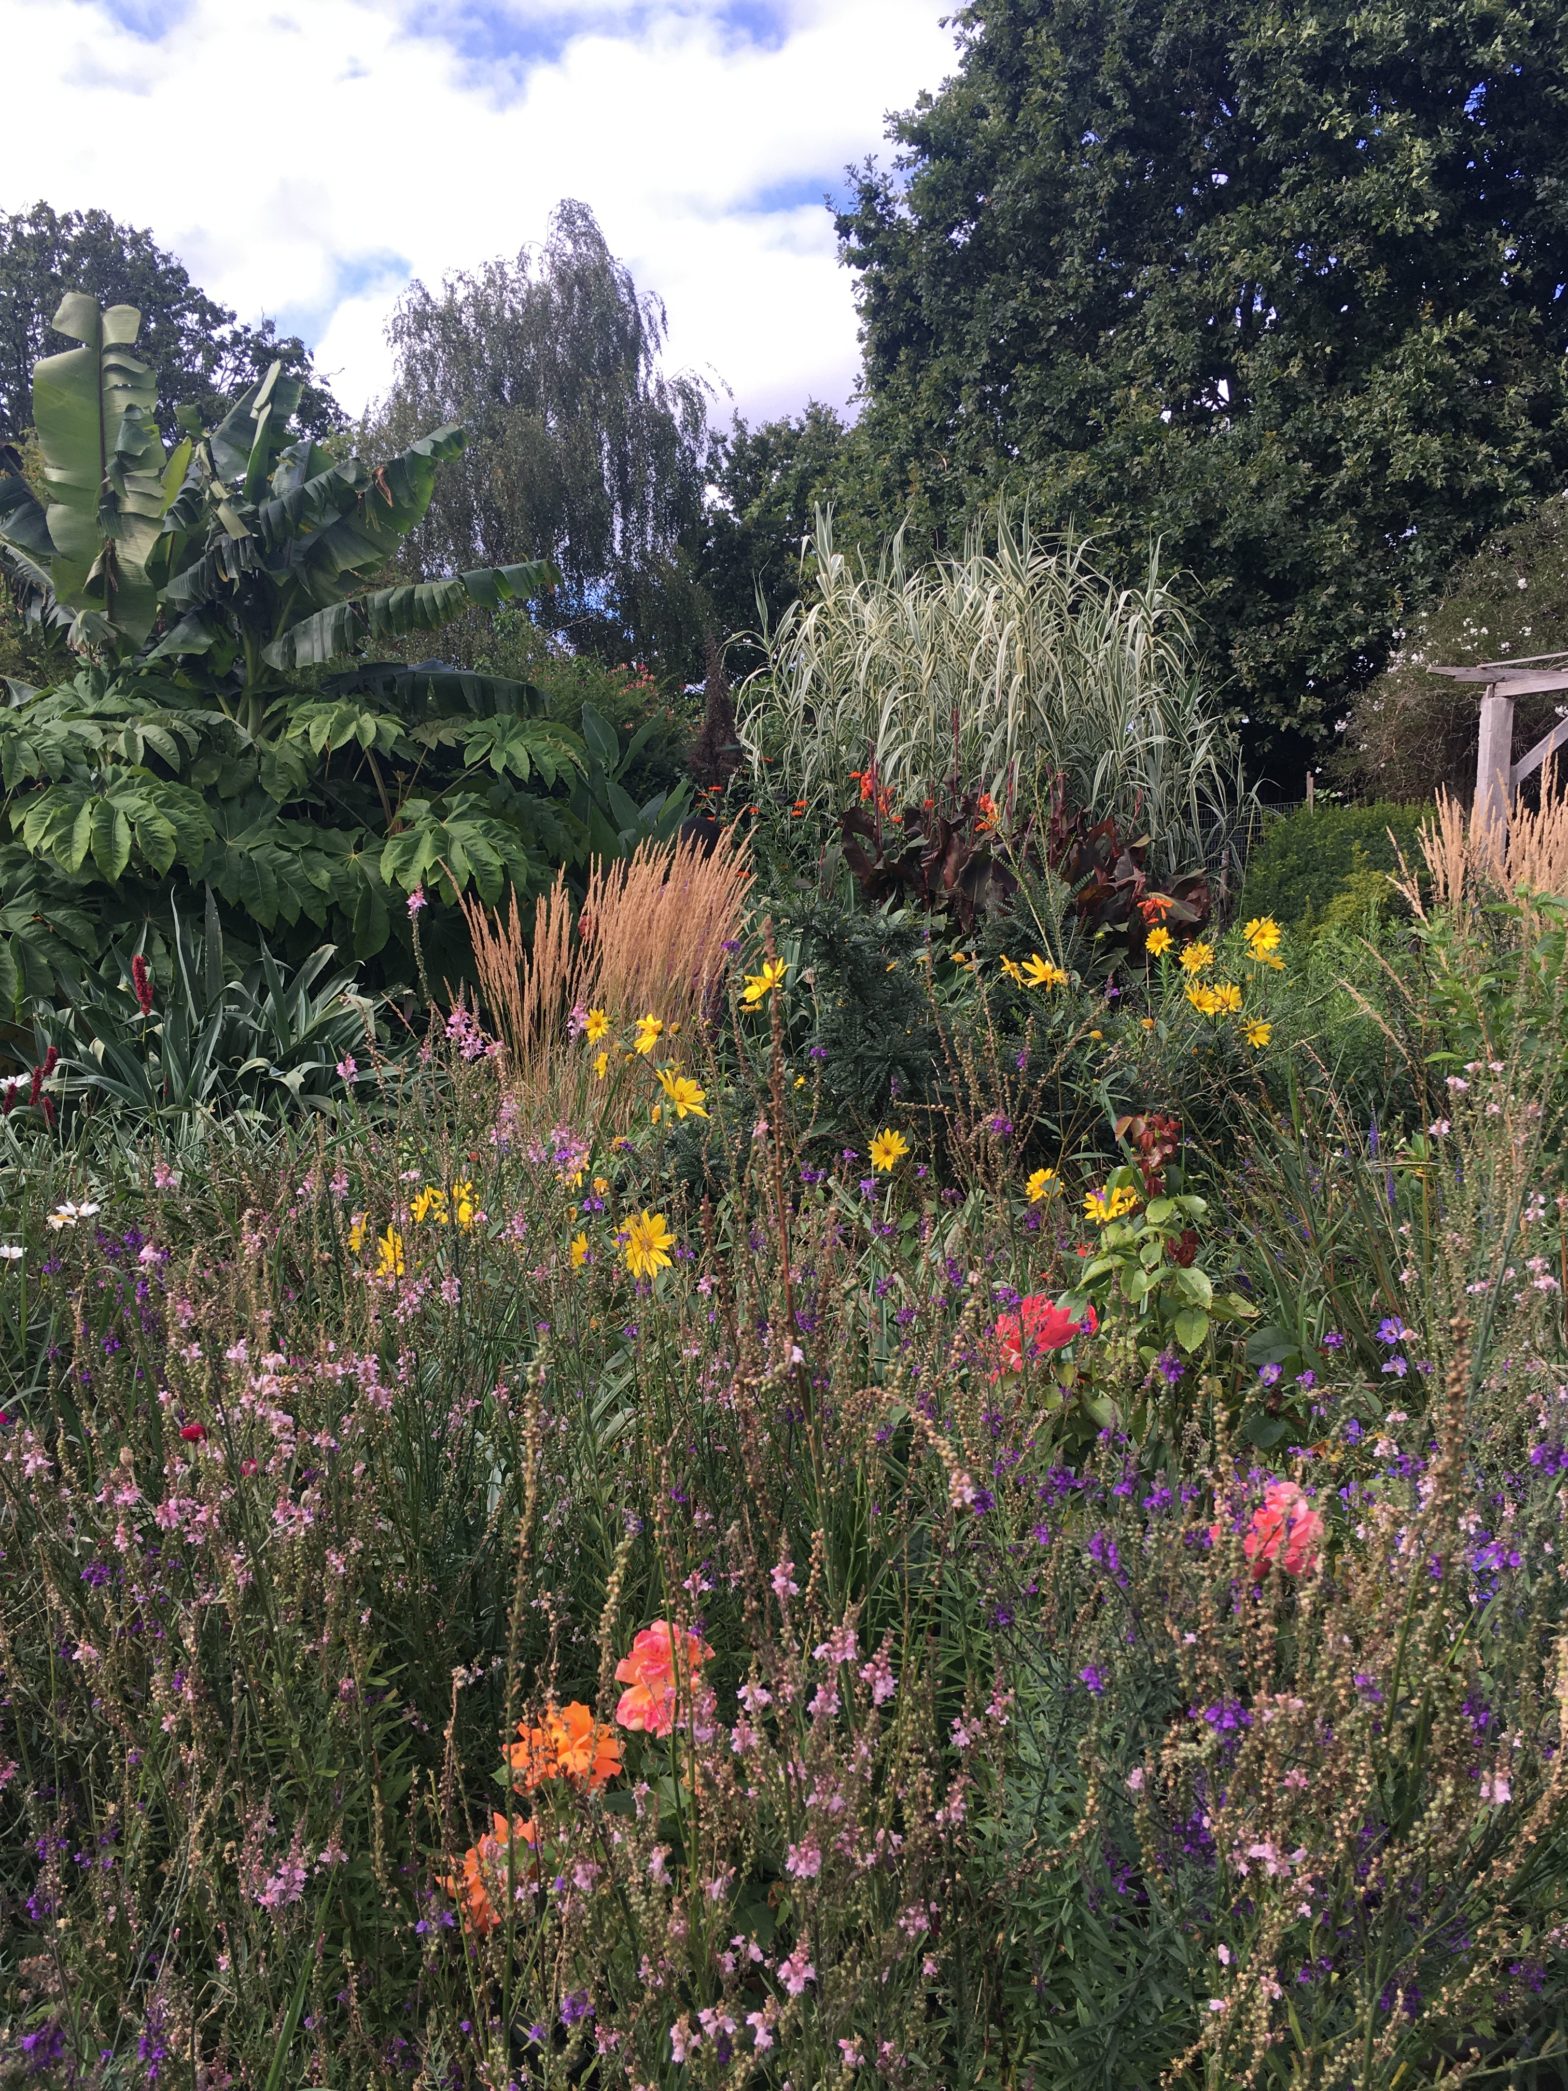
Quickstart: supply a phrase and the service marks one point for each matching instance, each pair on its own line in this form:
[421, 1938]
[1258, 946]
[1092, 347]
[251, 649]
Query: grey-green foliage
[583, 450]
[217, 1040]
[1005, 666]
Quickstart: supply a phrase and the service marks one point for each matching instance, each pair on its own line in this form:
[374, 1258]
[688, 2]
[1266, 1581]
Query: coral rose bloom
[648, 1703]
[1044, 1326]
[1284, 1529]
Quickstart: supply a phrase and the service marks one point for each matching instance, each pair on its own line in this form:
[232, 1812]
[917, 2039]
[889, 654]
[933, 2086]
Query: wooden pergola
[1497, 775]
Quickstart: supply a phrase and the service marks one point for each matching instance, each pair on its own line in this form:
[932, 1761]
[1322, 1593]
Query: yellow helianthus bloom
[390, 1261]
[648, 1245]
[1262, 933]
[1014, 971]
[1043, 1184]
[1104, 1206]
[1258, 1034]
[1227, 997]
[1203, 999]
[601, 1062]
[1160, 941]
[1039, 972]
[648, 1033]
[888, 1149]
[688, 1098]
[596, 1026]
[579, 1251]
[1196, 956]
[758, 986]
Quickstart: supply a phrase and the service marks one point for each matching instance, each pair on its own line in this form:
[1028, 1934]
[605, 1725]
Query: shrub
[1304, 859]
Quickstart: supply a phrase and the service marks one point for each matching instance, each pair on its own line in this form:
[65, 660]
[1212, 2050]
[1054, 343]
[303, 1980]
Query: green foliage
[202, 356]
[214, 1042]
[581, 450]
[222, 731]
[1279, 288]
[1412, 733]
[1314, 864]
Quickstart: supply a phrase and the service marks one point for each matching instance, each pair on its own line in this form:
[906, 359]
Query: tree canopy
[1282, 287]
[204, 357]
[581, 449]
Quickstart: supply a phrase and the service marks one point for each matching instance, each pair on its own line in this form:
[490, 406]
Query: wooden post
[1494, 763]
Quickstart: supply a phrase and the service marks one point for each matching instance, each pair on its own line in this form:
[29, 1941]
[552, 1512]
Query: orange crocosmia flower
[649, 1674]
[1154, 907]
[568, 1744]
[483, 1882]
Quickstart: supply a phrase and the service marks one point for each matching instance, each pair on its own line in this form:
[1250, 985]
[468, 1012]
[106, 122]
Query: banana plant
[235, 721]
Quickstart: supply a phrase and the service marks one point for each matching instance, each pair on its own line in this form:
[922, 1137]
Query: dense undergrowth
[654, 1576]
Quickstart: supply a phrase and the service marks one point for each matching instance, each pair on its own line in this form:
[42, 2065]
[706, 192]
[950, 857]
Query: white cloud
[305, 157]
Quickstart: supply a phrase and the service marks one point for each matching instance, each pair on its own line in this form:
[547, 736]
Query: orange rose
[568, 1744]
[485, 1873]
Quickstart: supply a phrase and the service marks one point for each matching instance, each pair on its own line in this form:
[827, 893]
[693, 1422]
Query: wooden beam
[1528, 764]
[1494, 762]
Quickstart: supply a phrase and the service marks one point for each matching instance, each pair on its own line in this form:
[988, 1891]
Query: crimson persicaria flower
[141, 981]
[1041, 1324]
[193, 1433]
[649, 1674]
[1285, 1530]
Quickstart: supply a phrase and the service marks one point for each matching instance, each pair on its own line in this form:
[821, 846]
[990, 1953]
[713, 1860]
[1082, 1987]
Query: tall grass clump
[1007, 666]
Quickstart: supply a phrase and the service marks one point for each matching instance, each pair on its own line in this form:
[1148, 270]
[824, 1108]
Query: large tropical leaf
[94, 408]
[390, 613]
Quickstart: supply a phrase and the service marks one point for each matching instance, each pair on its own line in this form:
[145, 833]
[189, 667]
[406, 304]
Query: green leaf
[1192, 1328]
[391, 613]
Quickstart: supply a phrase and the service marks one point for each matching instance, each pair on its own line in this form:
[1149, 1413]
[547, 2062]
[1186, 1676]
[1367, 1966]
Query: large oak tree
[1281, 283]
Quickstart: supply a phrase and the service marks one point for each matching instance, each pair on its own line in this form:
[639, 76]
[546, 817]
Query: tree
[204, 357]
[223, 730]
[768, 482]
[581, 450]
[1282, 287]
[1411, 732]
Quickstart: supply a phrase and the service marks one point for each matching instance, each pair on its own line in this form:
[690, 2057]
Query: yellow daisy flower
[648, 1033]
[1043, 1184]
[1195, 957]
[1160, 941]
[1257, 1034]
[756, 987]
[648, 1245]
[688, 1098]
[1039, 972]
[888, 1149]
[390, 1262]
[597, 1025]
[579, 1251]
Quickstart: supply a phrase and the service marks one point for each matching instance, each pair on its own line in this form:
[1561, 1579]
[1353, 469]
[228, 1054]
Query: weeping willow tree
[581, 449]
[1004, 668]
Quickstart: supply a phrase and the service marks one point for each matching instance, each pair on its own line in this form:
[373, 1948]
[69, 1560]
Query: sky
[306, 159]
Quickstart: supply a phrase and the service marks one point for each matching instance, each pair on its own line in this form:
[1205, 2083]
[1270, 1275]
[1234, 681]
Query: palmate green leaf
[325, 724]
[462, 839]
[80, 821]
[510, 747]
[391, 613]
[46, 935]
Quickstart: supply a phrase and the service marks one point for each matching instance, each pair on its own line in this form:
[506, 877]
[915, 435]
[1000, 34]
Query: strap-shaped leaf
[390, 613]
[95, 411]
